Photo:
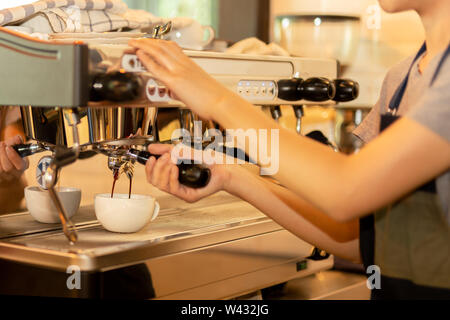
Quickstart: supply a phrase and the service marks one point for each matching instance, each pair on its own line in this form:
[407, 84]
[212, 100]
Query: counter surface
[180, 227]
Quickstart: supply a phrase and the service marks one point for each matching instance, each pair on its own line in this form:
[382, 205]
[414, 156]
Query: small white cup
[41, 206]
[120, 214]
[192, 36]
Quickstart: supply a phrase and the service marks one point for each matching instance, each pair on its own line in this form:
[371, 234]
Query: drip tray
[189, 227]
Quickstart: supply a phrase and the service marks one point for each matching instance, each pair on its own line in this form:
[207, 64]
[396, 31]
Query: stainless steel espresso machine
[78, 100]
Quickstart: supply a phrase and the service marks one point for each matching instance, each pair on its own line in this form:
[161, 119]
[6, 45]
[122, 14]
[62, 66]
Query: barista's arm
[344, 187]
[283, 206]
[296, 215]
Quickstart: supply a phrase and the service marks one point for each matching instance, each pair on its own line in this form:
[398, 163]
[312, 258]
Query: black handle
[115, 86]
[191, 175]
[346, 90]
[25, 150]
[317, 89]
[312, 89]
[289, 90]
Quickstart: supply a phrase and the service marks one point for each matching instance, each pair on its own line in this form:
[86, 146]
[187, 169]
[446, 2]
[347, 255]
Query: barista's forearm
[311, 170]
[405, 156]
[297, 215]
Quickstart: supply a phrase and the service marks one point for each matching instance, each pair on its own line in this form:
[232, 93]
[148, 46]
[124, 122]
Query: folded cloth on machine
[255, 46]
[72, 16]
[15, 14]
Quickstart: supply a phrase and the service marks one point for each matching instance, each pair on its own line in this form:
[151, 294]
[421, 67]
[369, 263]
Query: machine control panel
[131, 63]
[257, 89]
[156, 92]
[262, 90]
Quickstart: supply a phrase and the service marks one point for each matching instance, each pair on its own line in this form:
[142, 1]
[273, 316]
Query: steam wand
[51, 166]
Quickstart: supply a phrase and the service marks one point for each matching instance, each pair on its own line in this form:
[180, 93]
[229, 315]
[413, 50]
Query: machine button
[151, 90]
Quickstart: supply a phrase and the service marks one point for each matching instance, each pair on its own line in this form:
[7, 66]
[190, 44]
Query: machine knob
[312, 89]
[289, 90]
[115, 86]
[317, 89]
[346, 90]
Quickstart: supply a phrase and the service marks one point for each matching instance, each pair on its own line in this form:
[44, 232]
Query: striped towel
[83, 16]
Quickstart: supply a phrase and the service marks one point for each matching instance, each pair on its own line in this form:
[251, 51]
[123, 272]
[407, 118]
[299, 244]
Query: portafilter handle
[191, 175]
[25, 150]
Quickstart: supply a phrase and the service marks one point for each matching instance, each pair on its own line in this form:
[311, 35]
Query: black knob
[190, 175]
[289, 90]
[115, 86]
[346, 90]
[312, 89]
[317, 89]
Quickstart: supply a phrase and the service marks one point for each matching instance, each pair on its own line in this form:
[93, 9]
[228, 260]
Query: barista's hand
[163, 174]
[186, 80]
[11, 164]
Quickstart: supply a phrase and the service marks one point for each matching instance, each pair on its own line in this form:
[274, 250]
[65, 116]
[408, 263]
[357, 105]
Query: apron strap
[398, 95]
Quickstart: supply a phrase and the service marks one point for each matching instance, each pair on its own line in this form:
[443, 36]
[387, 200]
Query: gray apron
[409, 240]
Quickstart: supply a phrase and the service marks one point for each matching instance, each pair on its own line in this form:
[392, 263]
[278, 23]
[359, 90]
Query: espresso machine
[89, 120]
[78, 100]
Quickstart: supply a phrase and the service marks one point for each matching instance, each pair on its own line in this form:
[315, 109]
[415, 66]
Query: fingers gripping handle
[191, 175]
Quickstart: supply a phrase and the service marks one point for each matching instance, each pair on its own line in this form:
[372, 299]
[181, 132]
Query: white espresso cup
[192, 36]
[124, 215]
[41, 206]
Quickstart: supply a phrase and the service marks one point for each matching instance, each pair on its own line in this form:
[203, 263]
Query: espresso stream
[129, 188]
[116, 177]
